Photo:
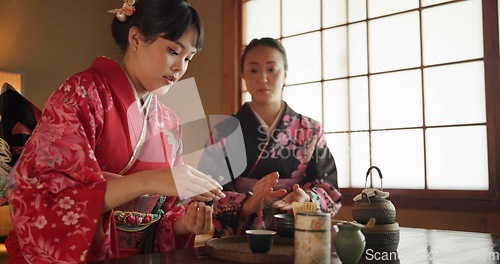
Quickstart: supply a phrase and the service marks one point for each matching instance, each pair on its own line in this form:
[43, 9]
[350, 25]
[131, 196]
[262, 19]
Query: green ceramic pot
[349, 243]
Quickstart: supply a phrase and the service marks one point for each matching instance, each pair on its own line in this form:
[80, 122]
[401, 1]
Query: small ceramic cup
[260, 241]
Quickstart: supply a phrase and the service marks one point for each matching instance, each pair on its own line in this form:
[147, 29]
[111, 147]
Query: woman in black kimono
[287, 158]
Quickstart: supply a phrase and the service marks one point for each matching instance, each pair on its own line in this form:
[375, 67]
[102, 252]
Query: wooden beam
[231, 49]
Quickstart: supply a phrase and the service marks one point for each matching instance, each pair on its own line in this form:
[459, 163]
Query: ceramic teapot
[372, 202]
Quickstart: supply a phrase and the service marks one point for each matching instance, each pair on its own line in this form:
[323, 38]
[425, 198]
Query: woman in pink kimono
[102, 173]
[287, 159]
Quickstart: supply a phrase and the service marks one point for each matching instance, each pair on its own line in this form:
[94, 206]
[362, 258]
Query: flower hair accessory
[125, 11]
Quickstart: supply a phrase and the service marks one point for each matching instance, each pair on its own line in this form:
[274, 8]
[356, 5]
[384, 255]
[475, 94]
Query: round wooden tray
[236, 248]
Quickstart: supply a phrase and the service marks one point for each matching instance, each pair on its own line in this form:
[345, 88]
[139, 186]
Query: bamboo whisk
[304, 207]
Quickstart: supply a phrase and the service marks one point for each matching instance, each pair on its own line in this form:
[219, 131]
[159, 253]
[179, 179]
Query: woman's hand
[297, 195]
[197, 220]
[262, 192]
[185, 181]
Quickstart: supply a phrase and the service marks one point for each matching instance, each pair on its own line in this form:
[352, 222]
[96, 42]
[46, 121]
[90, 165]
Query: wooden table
[416, 246]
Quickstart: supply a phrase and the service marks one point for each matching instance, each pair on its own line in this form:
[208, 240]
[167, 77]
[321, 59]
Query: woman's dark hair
[168, 19]
[269, 42]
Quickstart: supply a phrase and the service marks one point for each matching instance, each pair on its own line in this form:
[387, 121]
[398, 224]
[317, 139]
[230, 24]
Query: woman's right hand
[263, 194]
[185, 181]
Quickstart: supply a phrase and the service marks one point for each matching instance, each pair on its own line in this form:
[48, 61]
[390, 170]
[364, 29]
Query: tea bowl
[260, 241]
[284, 225]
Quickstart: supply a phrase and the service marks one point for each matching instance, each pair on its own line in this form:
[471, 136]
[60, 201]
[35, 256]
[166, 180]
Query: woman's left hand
[297, 195]
[197, 220]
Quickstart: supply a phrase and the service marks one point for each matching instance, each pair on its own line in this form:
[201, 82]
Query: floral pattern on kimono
[57, 188]
[296, 148]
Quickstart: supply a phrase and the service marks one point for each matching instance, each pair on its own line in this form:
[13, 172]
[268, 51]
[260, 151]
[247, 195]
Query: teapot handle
[379, 173]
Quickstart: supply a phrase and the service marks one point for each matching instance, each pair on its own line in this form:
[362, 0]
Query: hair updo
[268, 42]
[168, 19]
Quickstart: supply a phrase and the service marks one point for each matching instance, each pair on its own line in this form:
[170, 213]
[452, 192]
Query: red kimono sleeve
[58, 189]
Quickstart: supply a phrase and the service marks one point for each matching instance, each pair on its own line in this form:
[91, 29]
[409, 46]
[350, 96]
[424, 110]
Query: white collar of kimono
[143, 103]
[144, 106]
[263, 123]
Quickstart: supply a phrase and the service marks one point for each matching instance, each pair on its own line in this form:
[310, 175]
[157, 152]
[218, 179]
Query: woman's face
[264, 74]
[161, 63]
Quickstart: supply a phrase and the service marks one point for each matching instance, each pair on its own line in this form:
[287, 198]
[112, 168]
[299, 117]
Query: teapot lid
[371, 192]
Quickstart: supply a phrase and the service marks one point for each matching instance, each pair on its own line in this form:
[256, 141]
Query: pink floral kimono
[294, 146]
[88, 129]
